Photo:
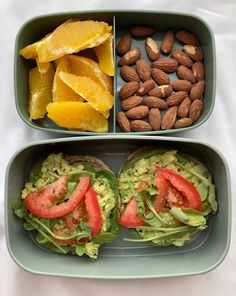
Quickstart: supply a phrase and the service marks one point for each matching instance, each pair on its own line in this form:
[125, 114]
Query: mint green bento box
[38, 27]
[121, 259]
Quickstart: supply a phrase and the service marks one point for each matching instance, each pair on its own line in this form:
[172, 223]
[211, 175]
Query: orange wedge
[77, 115]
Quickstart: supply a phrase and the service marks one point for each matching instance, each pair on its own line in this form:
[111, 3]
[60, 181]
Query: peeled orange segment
[92, 92]
[61, 91]
[82, 66]
[105, 57]
[77, 115]
[42, 67]
[29, 52]
[72, 37]
[40, 89]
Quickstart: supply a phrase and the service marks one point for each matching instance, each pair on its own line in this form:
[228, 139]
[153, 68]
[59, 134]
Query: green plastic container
[38, 27]
[121, 259]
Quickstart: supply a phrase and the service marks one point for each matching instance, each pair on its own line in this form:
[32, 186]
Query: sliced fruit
[43, 67]
[77, 115]
[104, 54]
[97, 97]
[40, 91]
[72, 37]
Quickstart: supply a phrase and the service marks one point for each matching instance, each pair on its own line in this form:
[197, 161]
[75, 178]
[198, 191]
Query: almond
[194, 52]
[129, 74]
[168, 42]
[185, 73]
[169, 118]
[198, 71]
[176, 98]
[138, 112]
[184, 107]
[181, 84]
[143, 69]
[130, 57]
[123, 122]
[183, 122]
[131, 102]
[142, 31]
[161, 91]
[128, 89]
[140, 126]
[124, 44]
[154, 102]
[167, 65]
[154, 118]
[181, 57]
[195, 110]
[145, 87]
[160, 77]
[197, 90]
[152, 49]
[187, 38]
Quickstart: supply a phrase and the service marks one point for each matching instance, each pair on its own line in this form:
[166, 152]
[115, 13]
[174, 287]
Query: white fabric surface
[219, 130]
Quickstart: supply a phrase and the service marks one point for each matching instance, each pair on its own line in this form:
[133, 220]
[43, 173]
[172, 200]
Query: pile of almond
[152, 98]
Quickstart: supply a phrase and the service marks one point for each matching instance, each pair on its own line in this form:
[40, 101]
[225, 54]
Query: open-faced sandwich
[165, 196]
[70, 203]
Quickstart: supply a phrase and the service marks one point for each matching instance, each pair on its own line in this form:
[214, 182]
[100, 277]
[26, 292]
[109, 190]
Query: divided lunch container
[38, 27]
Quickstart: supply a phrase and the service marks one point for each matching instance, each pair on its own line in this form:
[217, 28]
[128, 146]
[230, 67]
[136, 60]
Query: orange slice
[61, 91]
[104, 54]
[40, 89]
[72, 37]
[77, 115]
[97, 97]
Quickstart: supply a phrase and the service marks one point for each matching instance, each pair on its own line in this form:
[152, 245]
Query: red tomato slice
[42, 201]
[129, 217]
[93, 211]
[67, 242]
[73, 218]
[142, 185]
[163, 187]
[189, 193]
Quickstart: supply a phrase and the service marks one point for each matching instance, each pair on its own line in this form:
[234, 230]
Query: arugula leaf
[104, 237]
[80, 249]
[188, 216]
[19, 208]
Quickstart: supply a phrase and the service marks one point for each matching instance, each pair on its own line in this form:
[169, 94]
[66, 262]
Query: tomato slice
[191, 197]
[41, 202]
[129, 217]
[67, 242]
[163, 188]
[142, 185]
[93, 211]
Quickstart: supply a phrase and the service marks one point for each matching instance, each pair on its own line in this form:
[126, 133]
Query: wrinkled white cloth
[219, 131]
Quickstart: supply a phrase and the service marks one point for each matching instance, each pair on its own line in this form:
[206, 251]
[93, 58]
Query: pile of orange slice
[71, 89]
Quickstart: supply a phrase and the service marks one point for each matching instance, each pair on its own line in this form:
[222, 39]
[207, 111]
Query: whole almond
[143, 69]
[131, 102]
[176, 98]
[129, 74]
[154, 118]
[185, 73]
[162, 91]
[194, 52]
[128, 89]
[167, 65]
[181, 57]
[154, 102]
[183, 122]
[168, 42]
[123, 122]
[160, 77]
[130, 57]
[138, 112]
[187, 38]
[169, 118]
[124, 44]
[195, 110]
[140, 126]
[181, 84]
[145, 87]
[198, 71]
[152, 49]
[197, 90]
[184, 107]
[142, 31]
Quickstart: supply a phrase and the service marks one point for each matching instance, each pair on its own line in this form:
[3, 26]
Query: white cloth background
[219, 130]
